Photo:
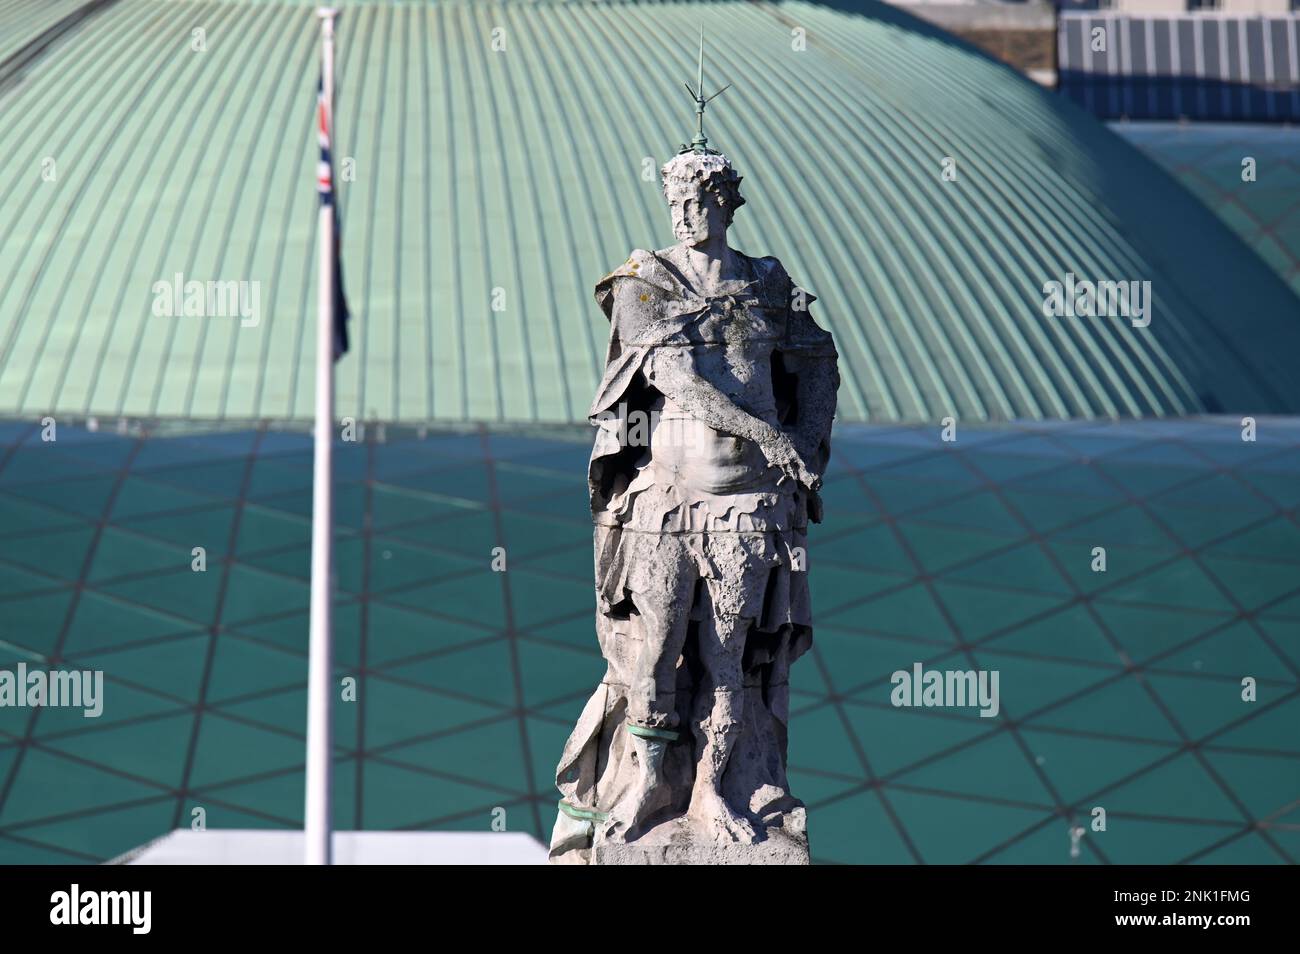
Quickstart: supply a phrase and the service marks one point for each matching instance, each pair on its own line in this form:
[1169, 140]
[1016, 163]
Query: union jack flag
[325, 186]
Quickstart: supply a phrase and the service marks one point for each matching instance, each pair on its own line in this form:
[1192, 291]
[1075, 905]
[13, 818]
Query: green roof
[22, 21]
[1207, 158]
[522, 170]
[1120, 689]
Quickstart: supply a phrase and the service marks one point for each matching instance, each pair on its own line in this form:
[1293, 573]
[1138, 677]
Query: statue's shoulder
[778, 288]
[774, 283]
[639, 264]
[766, 266]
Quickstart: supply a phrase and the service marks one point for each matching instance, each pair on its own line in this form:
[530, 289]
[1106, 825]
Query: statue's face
[697, 217]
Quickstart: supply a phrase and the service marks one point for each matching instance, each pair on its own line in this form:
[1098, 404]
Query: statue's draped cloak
[676, 317]
[764, 530]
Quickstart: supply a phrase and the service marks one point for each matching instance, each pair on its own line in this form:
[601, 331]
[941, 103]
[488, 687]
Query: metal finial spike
[700, 85]
[700, 143]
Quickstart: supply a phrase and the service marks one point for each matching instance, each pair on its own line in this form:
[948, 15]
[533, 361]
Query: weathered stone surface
[676, 843]
[713, 424]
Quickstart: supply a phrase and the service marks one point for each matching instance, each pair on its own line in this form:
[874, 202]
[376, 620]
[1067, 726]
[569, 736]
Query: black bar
[207, 905]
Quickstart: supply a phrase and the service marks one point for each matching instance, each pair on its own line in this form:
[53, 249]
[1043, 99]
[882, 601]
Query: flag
[325, 186]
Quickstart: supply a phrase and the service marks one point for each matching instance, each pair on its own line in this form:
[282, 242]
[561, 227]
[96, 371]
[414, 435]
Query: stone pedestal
[672, 843]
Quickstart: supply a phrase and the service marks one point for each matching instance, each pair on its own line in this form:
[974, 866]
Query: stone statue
[714, 418]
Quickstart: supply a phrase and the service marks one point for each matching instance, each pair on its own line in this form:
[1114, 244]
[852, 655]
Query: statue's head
[703, 193]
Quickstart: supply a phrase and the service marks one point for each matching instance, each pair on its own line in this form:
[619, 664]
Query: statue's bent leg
[717, 723]
[652, 694]
[652, 713]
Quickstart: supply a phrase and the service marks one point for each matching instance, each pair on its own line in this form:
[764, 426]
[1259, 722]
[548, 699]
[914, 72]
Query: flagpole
[317, 819]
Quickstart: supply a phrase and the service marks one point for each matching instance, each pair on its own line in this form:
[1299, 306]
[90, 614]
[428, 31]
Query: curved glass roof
[1117, 688]
[1208, 159]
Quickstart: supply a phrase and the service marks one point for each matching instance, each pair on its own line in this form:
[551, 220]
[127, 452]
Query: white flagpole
[317, 819]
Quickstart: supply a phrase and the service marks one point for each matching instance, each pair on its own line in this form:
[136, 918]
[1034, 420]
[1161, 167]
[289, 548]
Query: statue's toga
[713, 417]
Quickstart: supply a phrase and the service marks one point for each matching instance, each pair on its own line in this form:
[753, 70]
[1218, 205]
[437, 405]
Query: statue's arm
[818, 382]
[809, 354]
[671, 370]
